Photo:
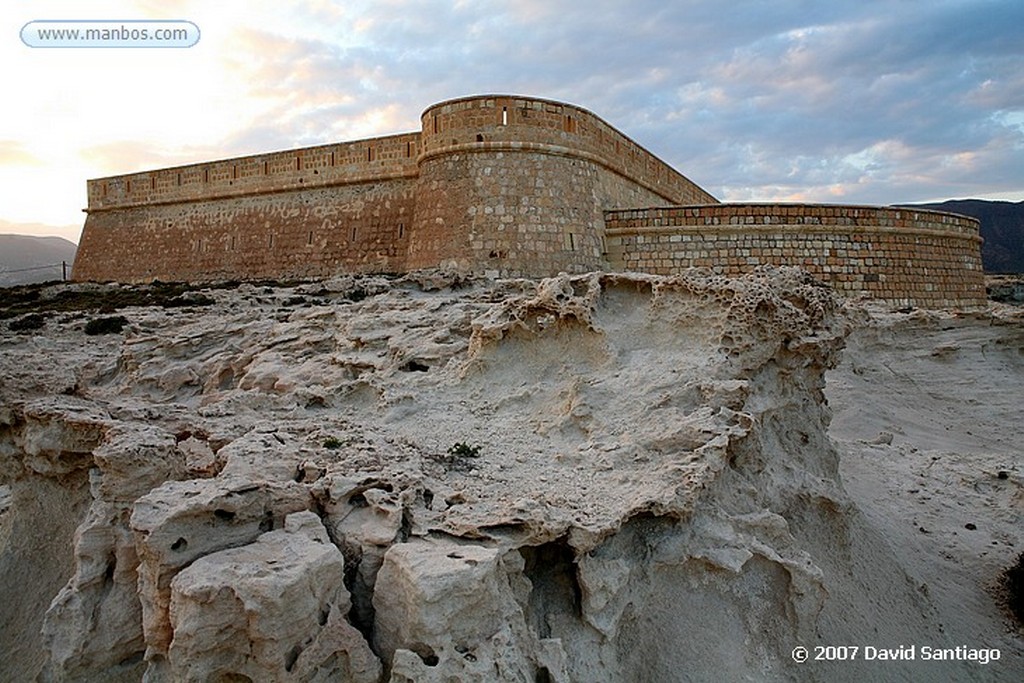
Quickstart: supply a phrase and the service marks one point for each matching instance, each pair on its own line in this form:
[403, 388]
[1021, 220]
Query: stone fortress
[503, 186]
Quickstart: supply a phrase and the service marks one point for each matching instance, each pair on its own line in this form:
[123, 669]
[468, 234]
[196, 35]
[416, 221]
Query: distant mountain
[26, 258]
[1002, 227]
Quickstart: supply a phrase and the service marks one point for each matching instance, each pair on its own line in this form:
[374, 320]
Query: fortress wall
[344, 163]
[907, 257]
[496, 123]
[518, 188]
[303, 233]
[307, 212]
[508, 186]
[513, 213]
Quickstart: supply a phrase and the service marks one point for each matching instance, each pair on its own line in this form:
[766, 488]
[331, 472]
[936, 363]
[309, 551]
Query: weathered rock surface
[590, 478]
[271, 610]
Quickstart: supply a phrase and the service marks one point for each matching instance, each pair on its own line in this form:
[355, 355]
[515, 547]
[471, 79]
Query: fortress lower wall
[516, 213]
[907, 257]
[308, 212]
[356, 228]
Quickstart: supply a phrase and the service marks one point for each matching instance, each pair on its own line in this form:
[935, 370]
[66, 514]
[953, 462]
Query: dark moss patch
[111, 325]
[32, 321]
[103, 299]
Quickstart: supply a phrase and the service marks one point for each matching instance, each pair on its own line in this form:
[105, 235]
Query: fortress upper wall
[360, 161]
[492, 123]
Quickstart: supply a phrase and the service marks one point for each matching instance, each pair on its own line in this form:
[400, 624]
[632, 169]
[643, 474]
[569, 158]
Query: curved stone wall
[518, 187]
[492, 123]
[904, 256]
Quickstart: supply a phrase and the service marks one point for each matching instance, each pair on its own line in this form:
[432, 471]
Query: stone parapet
[905, 256]
[362, 161]
[493, 123]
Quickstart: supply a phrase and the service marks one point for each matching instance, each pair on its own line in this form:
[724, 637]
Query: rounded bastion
[519, 186]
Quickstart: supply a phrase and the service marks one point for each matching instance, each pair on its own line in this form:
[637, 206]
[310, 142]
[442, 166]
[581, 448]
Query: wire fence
[63, 265]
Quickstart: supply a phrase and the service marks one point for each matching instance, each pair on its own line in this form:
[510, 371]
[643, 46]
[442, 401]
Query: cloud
[129, 156]
[13, 153]
[842, 99]
[852, 100]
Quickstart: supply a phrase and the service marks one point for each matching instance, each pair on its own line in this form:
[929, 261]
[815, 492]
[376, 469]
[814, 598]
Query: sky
[838, 101]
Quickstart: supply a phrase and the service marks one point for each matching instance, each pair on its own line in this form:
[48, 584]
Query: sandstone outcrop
[600, 477]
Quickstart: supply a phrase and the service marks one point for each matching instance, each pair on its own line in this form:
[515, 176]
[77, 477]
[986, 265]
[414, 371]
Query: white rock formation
[271, 610]
[589, 478]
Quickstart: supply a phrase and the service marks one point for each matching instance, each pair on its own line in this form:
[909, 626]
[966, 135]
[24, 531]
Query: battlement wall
[494, 123]
[906, 256]
[361, 161]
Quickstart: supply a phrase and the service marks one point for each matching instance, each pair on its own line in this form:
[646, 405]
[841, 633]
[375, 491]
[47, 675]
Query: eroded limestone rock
[448, 610]
[273, 610]
[600, 477]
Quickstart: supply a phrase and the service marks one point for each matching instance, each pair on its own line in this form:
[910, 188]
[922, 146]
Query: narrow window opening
[266, 168]
[309, 240]
[401, 230]
[332, 158]
[127, 187]
[234, 171]
[504, 116]
[479, 137]
[105, 189]
[437, 128]
[353, 234]
[179, 180]
[572, 242]
[206, 175]
[408, 149]
[271, 241]
[369, 153]
[298, 162]
[232, 243]
[200, 245]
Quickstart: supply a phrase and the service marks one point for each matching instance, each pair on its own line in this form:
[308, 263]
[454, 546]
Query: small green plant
[333, 443]
[462, 450]
[110, 325]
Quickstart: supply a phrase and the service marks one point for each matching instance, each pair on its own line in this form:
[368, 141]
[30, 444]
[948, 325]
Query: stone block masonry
[907, 257]
[505, 186]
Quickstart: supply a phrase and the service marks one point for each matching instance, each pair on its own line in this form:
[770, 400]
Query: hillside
[599, 477]
[1002, 228]
[26, 259]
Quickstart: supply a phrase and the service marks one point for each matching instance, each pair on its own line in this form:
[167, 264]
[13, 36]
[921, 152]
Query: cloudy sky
[853, 101]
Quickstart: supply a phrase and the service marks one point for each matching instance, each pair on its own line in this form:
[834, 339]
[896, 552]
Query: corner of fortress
[506, 186]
